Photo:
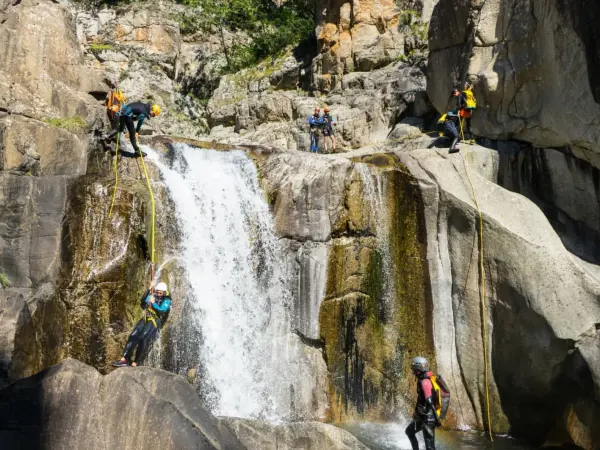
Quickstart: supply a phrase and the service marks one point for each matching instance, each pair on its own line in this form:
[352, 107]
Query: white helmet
[161, 287]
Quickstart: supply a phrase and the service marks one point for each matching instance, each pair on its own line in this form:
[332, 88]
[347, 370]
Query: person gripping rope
[127, 115]
[465, 104]
[425, 418]
[157, 307]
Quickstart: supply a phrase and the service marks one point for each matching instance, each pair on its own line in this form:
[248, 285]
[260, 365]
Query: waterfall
[251, 365]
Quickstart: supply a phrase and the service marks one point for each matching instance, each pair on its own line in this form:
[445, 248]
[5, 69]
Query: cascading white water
[252, 365]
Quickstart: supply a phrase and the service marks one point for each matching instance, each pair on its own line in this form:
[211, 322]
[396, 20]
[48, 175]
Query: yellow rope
[482, 295]
[116, 167]
[153, 206]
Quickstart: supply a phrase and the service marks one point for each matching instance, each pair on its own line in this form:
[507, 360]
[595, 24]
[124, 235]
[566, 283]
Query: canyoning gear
[428, 435]
[442, 395]
[155, 110]
[469, 99]
[451, 126]
[159, 308]
[316, 123]
[146, 329]
[326, 109]
[419, 364]
[161, 287]
[141, 338]
[127, 115]
[425, 416]
[119, 363]
[115, 99]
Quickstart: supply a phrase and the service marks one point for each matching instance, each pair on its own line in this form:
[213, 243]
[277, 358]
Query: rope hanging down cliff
[482, 295]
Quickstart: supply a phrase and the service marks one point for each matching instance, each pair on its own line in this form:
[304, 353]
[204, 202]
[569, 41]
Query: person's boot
[119, 363]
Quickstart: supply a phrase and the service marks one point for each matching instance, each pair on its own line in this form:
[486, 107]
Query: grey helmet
[419, 364]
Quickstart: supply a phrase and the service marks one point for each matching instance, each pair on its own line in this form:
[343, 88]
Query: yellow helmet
[155, 109]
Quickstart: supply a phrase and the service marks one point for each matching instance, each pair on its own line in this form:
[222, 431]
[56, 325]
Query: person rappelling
[156, 304]
[127, 115]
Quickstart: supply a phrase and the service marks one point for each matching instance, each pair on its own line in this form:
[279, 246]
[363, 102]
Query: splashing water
[252, 365]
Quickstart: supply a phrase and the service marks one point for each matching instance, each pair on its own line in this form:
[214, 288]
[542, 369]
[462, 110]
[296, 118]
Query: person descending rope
[433, 400]
[157, 307]
[465, 104]
[130, 113]
[316, 123]
[328, 129]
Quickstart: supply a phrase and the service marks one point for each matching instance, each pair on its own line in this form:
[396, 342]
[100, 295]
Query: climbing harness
[116, 168]
[482, 296]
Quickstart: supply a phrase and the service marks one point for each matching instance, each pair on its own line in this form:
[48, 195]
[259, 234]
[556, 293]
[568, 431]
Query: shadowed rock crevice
[583, 16]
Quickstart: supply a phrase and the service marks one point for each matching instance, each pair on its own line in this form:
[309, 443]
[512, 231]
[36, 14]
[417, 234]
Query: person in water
[425, 417]
[157, 307]
[127, 115]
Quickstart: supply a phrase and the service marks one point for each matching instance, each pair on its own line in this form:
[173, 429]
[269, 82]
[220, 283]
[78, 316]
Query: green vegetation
[74, 124]
[4, 280]
[98, 48]
[411, 19]
[269, 28]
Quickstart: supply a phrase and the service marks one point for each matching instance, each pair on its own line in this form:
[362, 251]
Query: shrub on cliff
[269, 27]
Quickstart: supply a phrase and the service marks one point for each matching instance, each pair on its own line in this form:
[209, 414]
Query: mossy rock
[373, 323]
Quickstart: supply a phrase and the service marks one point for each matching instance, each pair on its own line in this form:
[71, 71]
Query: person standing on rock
[465, 104]
[126, 117]
[425, 417]
[316, 123]
[157, 307]
[328, 129]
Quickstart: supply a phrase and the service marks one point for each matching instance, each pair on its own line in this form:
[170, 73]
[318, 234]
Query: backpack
[471, 100]
[114, 100]
[442, 395]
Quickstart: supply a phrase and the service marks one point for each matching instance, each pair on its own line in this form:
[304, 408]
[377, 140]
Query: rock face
[562, 186]
[364, 35]
[534, 66]
[341, 237]
[141, 48]
[305, 435]
[72, 406]
[541, 305]
[365, 107]
[71, 275]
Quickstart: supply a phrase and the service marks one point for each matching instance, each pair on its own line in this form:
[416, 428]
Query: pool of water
[379, 436]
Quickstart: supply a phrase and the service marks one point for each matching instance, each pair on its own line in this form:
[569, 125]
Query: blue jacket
[315, 121]
[137, 111]
[159, 308]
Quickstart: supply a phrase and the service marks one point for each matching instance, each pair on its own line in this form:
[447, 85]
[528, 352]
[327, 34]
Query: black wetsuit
[425, 417]
[146, 329]
[328, 128]
[451, 127]
[127, 115]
